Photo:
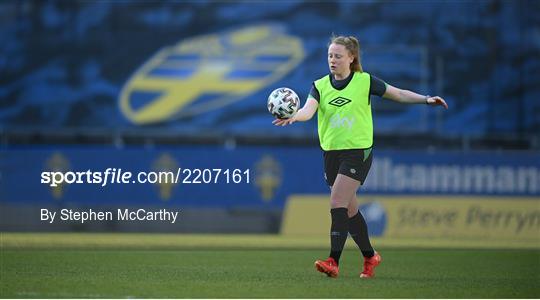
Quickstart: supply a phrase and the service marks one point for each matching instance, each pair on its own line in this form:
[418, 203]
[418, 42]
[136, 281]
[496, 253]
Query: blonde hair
[353, 46]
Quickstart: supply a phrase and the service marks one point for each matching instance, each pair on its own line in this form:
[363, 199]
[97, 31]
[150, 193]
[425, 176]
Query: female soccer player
[345, 128]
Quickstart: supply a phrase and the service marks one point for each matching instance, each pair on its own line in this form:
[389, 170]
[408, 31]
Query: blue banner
[246, 177]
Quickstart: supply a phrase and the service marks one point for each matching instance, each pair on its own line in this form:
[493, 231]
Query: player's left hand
[436, 100]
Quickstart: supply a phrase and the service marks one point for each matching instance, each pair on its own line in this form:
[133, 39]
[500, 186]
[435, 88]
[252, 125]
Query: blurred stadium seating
[64, 67]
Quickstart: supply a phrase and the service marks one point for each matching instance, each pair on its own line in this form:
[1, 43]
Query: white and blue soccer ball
[283, 103]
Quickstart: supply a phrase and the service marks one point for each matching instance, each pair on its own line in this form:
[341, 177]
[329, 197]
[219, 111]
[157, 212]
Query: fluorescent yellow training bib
[344, 116]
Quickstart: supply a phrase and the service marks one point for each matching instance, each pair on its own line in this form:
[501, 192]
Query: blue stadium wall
[251, 201]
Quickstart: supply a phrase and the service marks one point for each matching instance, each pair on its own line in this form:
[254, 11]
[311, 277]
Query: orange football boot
[370, 264]
[328, 267]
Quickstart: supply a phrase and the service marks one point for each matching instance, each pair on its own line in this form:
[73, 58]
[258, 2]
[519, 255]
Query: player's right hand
[284, 122]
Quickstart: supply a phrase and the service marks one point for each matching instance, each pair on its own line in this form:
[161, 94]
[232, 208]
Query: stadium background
[153, 86]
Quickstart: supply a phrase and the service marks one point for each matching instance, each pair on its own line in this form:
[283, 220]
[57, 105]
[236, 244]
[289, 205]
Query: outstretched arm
[304, 114]
[408, 97]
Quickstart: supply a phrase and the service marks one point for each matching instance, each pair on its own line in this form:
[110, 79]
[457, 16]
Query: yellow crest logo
[57, 162]
[209, 72]
[268, 176]
[165, 165]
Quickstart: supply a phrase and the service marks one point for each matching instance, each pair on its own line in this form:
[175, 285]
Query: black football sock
[359, 233]
[338, 232]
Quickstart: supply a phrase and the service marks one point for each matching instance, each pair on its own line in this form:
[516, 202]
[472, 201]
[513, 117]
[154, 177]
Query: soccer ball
[283, 103]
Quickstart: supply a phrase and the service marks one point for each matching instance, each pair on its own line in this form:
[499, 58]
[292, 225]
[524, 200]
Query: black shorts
[353, 163]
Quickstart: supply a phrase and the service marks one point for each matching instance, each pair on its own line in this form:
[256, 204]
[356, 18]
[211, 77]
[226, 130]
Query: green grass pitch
[82, 267]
